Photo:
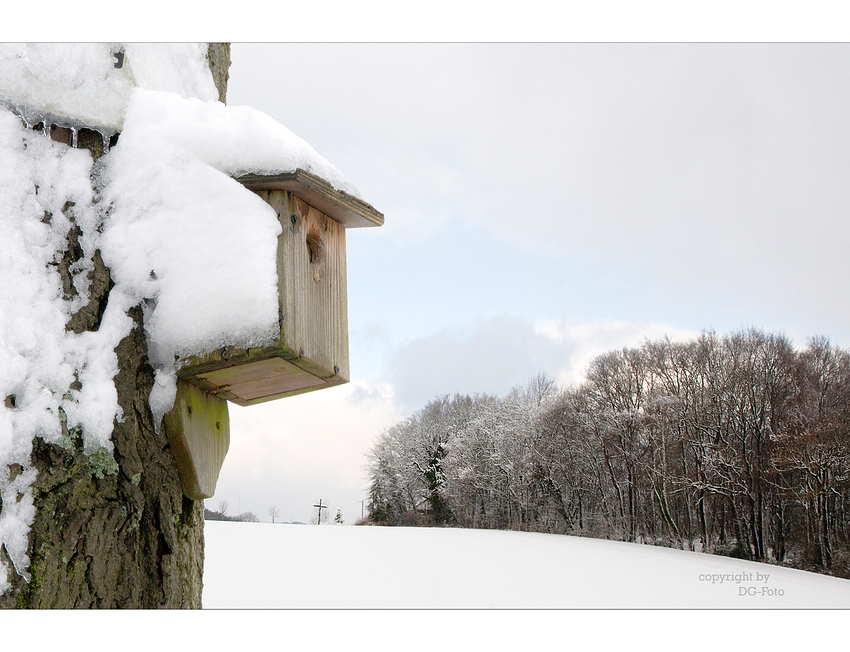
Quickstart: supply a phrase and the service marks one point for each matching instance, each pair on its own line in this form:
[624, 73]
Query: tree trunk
[114, 532]
[114, 536]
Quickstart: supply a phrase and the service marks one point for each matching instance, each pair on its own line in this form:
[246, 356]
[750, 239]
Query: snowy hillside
[259, 565]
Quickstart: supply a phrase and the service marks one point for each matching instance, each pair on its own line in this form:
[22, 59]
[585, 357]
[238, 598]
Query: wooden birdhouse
[312, 350]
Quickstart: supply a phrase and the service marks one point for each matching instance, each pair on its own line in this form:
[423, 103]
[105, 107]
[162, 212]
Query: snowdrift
[260, 565]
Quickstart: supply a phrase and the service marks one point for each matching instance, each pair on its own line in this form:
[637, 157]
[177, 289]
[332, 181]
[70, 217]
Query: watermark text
[748, 584]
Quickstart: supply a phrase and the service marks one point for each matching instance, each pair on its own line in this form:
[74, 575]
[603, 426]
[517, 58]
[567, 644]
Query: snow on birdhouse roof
[236, 140]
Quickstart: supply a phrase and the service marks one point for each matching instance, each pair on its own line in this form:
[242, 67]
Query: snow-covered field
[259, 565]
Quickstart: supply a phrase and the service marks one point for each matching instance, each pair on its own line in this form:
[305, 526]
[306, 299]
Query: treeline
[221, 514]
[735, 445]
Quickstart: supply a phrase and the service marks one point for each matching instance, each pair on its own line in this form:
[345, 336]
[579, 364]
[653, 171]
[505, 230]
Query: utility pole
[321, 507]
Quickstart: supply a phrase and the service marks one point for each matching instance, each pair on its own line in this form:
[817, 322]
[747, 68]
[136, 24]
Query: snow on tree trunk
[109, 526]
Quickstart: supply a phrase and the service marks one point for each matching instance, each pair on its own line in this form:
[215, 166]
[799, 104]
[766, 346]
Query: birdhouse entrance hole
[314, 246]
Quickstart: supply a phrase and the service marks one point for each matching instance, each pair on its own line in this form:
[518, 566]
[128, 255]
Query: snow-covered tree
[734, 444]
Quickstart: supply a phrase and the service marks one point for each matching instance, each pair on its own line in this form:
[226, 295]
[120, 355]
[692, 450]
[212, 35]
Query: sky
[545, 203]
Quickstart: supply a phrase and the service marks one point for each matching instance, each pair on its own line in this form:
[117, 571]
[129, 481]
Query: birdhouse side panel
[312, 285]
[312, 351]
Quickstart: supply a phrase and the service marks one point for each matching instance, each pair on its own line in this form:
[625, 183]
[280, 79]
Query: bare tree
[274, 512]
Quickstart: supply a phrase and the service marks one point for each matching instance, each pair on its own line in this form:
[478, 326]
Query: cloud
[717, 170]
[493, 355]
[585, 340]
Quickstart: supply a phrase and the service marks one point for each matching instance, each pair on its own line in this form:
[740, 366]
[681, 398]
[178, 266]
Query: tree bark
[218, 56]
[114, 532]
[114, 535]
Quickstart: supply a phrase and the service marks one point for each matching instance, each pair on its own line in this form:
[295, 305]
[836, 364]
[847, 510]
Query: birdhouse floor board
[246, 384]
[253, 371]
[266, 387]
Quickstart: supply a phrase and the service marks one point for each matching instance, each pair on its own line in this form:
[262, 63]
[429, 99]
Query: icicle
[32, 118]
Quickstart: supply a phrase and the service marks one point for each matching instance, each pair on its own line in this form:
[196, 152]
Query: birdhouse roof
[346, 209]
